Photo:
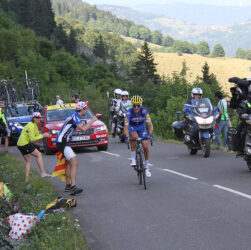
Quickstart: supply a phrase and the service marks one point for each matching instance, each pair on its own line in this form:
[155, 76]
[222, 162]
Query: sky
[131, 3]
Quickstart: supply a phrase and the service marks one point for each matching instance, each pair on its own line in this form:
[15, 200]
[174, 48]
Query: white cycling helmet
[196, 91]
[125, 93]
[117, 92]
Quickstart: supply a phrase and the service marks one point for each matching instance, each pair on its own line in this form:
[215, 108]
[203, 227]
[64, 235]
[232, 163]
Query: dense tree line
[63, 72]
[241, 53]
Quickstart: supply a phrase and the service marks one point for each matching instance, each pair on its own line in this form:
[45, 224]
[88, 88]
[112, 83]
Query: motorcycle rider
[196, 93]
[241, 98]
[125, 103]
[114, 109]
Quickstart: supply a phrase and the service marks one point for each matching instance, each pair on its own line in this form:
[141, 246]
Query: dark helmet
[76, 96]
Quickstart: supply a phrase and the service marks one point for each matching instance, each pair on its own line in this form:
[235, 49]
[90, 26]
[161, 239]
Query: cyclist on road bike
[135, 127]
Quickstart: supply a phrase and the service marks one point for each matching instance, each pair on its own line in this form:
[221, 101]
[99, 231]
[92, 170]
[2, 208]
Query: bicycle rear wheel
[143, 171]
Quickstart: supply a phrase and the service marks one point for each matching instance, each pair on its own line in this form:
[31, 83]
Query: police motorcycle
[197, 127]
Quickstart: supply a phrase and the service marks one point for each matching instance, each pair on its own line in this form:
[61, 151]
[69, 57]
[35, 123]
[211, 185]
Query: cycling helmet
[117, 92]
[196, 91]
[125, 93]
[136, 100]
[80, 105]
[36, 115]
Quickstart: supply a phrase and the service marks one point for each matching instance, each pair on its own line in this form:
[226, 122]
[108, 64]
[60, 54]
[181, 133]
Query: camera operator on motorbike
[241, 98]
[114, 109]
[135, 127]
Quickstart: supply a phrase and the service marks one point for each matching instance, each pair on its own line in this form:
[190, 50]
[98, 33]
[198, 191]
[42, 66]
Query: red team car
[53, 119]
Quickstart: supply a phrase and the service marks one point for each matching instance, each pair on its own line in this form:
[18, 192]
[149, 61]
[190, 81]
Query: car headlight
[101, 128]
[11, 123]
[204, 121]
[54, 132]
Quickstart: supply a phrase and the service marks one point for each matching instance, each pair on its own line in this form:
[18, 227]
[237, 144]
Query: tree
[167, 41]
[145, 34]
[145, 68]
[157, 37]
[182, 47]
[218, 51]
[206, 76]
[203, 49]
[248, 54]
[100, 48]
[133, 32]
[240, 53]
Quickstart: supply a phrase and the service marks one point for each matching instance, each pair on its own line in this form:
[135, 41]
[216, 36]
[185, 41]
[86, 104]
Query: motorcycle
[120, 126]
[198, 127]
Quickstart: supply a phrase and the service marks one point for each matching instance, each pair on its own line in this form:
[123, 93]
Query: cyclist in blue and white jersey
[71, 123]
[135, 127]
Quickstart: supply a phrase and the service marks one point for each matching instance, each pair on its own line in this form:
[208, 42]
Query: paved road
[191, 202]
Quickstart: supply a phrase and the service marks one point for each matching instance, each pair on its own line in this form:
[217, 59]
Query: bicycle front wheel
[142, 171]
[138, 167]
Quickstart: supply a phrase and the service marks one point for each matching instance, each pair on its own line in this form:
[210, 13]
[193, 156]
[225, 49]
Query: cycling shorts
[141, 130]
[3, 132]
[65, 150]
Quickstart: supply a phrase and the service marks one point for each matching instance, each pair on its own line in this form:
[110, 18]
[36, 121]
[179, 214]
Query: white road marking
[233, 191]
[110, 153]
[183, 175]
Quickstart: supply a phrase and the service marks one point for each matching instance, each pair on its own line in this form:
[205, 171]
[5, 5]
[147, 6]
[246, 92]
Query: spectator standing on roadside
[3, 130]
[223, 122]
[29, 135]
[59, 101]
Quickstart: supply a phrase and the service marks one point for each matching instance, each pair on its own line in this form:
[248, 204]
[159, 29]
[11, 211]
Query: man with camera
[241, 98]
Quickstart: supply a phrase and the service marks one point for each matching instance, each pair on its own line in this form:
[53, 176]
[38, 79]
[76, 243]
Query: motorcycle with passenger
[197, 127]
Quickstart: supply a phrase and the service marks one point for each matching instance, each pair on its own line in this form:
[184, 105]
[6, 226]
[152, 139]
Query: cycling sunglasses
[136, 106]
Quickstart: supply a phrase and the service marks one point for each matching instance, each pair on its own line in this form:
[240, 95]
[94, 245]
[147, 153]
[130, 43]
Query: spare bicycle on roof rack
[19, 102]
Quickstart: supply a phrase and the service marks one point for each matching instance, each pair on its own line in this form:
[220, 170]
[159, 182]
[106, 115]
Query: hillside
[231, 37]
[222, 67]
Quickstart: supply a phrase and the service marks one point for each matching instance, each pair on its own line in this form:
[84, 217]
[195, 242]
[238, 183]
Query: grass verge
[55, 231]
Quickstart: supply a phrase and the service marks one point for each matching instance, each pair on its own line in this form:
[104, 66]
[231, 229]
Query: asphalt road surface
[191, 202]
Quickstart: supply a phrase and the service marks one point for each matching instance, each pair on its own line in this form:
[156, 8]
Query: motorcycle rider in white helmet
[125, 103]
[196, 93]
[114, 109]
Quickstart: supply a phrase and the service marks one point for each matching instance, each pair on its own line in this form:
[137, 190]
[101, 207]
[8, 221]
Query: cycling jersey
[29, 134]
[139, 119]
[68, 128]
[136, 122]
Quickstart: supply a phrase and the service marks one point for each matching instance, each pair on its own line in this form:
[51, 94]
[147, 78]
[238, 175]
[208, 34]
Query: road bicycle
[140, 168]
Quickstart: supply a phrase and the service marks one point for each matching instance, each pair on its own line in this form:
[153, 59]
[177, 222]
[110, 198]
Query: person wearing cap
[59, 101]
[3, 130]
[71, 123]
[25, 145]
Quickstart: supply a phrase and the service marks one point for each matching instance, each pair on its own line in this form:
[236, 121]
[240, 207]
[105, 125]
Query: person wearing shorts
[25, 145]
[3, 130]
[71, 123]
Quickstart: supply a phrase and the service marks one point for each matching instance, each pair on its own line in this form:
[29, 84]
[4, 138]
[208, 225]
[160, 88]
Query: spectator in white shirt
[59, 101]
